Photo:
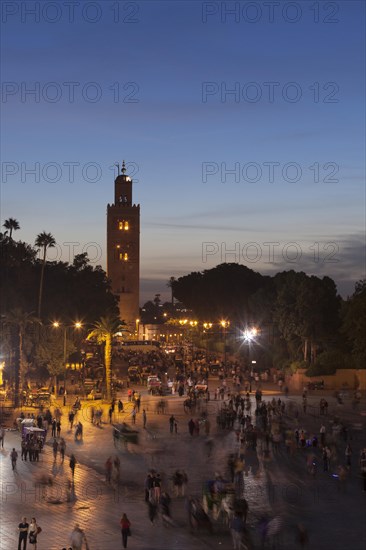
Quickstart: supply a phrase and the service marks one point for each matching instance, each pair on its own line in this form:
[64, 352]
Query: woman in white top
[34, 530]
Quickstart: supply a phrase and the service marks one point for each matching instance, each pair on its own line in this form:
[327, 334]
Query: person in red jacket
[125, 529]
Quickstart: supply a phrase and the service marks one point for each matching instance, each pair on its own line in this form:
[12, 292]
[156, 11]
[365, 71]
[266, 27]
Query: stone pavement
[283, 489]
[98, 507]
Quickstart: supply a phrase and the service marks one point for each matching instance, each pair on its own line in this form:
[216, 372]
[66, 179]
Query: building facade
[123, 249]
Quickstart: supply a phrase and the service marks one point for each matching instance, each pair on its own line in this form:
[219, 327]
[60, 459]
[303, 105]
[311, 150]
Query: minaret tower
[123, 248]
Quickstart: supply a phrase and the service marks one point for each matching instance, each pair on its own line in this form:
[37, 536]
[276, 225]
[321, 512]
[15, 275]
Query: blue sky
[171, 63]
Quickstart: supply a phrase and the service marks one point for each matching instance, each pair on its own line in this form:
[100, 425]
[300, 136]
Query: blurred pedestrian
[72, 465]
[144, 418]
[348, 453]
[108, 469]
[2, 436]
[165, 501]
[55, 449]
[152, 509]
[302, 537]
[13, 458]
[171, 423]
[77, 538]
[125, 529]
[237, 529]
[62, 447]
[71, 419]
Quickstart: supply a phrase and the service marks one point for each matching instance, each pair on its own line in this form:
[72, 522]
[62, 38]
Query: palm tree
[18, 321]
[103, 331]
[12, 225]
[44, 240]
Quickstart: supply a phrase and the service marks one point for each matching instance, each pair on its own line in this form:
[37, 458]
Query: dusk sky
[150, 82]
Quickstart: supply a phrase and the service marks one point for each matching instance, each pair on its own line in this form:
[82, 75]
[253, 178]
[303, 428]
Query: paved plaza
[332, 514]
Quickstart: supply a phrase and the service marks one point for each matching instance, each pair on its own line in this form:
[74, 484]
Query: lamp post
[137, 328]
[224, 325]
[193, 324]
[207, 327]
[57, 324]
[249, 336]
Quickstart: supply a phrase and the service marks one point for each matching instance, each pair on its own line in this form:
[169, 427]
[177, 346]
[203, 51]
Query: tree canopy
[71, 291]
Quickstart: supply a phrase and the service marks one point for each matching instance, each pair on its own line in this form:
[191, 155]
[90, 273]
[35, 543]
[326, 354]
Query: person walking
[23, 534]
[53, 428]
[166, 516]
[55, 449]
[152, 509]
[120, 406]
[348, 453]
[133, 415]
[144, 418]
[13, 458]
[322, 435]
[108, 469]
[2, 436]
[236, 529]
[72, 465]
[157, 487]
[302, 537]
[62, 447]
[125, 529]
[77, 538]
[71, 419]
[304, 404]
[110, 414]
[171, 423]
[34, 531]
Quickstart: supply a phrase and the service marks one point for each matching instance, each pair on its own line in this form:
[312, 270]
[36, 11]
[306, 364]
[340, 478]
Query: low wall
[354, 378]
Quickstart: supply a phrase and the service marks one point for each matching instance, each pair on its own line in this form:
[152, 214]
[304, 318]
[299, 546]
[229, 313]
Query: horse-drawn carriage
[123, 434]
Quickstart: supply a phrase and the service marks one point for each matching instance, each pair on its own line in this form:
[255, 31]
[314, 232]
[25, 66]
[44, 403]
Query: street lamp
[57, 324]
[224, 325]
[137, 328]
[207, 327]
[193, 324]
[249, 334]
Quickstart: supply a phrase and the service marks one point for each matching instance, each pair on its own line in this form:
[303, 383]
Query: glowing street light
[57, 324]
[249, 334]
[225, 324]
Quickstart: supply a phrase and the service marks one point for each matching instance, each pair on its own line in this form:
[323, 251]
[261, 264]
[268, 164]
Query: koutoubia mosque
[123, 249]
